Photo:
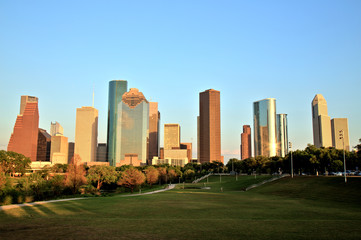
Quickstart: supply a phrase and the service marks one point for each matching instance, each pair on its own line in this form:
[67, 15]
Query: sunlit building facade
[116, 90]
[321, 122]
[264, 117]
[154, 119]
[337, 125]
[56, 128]
[246, 145]
[134, 128]
[282, 135]
[24, 138]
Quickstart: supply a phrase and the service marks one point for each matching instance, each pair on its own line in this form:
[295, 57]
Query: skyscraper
[154, 118]
[24, 138]
[338, 124]
[282, 135]
[56, 128]
[116, 90]
[246, 145]
[59, 149]
[321, 122]
[86, 134]
[264, 117]
[209, 126]
[171, 136]
[134, 130]
[44, 144]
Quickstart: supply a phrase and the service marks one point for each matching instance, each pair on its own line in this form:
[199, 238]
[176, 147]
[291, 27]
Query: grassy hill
[299, 208]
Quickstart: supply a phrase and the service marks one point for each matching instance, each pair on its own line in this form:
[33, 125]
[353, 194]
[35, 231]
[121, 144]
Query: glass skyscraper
[282, 135]
[264, 116]
[116, 90]
[134, 125]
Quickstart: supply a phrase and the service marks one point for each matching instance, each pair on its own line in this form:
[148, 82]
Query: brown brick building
[209, 126]
[246, 147]
[24, 138]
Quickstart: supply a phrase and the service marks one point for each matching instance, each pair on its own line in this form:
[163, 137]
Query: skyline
[171, 52]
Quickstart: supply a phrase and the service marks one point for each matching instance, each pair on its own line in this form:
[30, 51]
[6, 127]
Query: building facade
[56, 128]
[44, 145]
[116, 90]
[209, 126]
[337, 125]
[264, 117]
[24, 138]
[246, 144]
[154, 119]
[102, 152]
[134, 128]
[321, 122]
[59, 149]
[282, 135]
[86, 134]
[171, 136]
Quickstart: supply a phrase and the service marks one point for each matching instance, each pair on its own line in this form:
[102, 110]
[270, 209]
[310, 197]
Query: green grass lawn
[299, 208]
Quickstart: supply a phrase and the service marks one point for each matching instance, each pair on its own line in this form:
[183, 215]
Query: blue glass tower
[116, 90]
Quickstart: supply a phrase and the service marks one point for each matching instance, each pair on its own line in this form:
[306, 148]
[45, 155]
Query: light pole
[290, 147]
[344, 159]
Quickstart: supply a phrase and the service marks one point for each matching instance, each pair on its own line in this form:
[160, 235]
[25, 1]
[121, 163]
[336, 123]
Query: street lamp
[344, 159]
[290, 147]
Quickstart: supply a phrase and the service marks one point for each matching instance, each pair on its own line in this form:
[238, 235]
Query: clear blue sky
[172, 50]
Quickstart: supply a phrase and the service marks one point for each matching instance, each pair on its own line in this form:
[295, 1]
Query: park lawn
[298, 208]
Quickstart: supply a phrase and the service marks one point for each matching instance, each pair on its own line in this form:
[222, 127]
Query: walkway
[6, 207]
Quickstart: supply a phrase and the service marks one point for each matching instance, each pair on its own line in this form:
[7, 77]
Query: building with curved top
[264, 117]
[321, 122]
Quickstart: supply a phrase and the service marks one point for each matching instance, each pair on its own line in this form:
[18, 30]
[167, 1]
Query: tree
[13, 162]
[189, 174]
[131, 178]
[75, 175]
[102, 174]
[172, 174]
[163, 174]
[152, 175]
[2, 178]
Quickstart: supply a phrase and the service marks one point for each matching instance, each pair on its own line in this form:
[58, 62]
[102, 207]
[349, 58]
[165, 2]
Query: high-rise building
[116, 90]
[282, 135]
[44, 144]
[86, 134]
[171, 136]
[264, 117]
[56, 128]
[102, 152]
[134, 127]
[246, 145]
[59, 149]
[337, 125]
[154, 118]
[71, 148]
[321, 122]
[24, 138]
[209, 126]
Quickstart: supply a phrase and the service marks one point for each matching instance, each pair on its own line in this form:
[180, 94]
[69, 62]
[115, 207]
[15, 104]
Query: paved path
[6, 207]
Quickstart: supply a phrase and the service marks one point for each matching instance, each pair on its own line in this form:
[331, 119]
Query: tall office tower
[116, 90]
[210, 126]
[24, 138]
[134, 129]
[71, 147]
[102, 152]
[264, 118]
[337, 125]
[246, 145]
[56, 128]
[321, 122]
[59, 149]
[44, 144]
[171, 136]
[86, 134]
[282, 135]
[154, 118]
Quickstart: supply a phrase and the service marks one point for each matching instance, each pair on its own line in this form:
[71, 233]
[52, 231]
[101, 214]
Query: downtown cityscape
[180, 119]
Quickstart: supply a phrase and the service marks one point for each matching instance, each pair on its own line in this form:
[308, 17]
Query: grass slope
[299, 208]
